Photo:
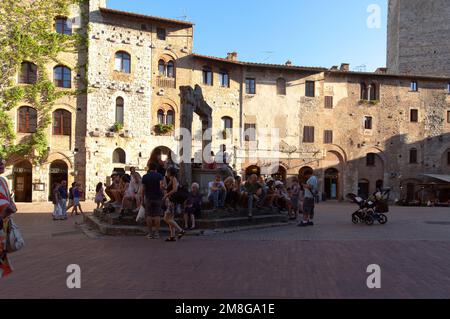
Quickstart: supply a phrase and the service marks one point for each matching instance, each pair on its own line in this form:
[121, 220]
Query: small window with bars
[328, 102]
[414, 116]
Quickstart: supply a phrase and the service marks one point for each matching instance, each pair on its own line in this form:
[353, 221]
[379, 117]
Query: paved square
[325, 261]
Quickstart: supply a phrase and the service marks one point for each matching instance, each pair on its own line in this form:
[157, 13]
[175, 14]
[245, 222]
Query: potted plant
[164, 128]
[117, 127]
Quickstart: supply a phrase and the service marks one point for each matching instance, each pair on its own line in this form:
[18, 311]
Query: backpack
[14, 238]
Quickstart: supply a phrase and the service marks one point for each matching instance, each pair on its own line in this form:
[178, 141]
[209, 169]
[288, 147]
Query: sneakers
[311, 223]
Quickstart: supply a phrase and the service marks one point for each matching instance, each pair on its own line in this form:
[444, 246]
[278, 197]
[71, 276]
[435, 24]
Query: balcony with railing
[165, 82]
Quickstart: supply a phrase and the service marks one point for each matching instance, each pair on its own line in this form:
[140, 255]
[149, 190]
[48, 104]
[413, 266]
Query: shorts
[153, 208]
[76, 201]
[308, 206]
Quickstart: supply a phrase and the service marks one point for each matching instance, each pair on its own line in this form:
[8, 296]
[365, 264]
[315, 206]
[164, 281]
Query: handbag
[141, 214]
[14, 238]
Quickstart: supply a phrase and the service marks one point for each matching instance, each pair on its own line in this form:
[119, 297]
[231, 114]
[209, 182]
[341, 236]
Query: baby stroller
[372, 209]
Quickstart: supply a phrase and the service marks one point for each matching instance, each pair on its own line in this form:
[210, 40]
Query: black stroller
[371, 210]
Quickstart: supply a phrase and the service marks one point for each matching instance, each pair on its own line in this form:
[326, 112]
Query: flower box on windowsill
[367, 102]
[163, 129]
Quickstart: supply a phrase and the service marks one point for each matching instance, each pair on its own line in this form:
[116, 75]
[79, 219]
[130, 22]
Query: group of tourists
[64, 200]
[157, 194]
[257, 192]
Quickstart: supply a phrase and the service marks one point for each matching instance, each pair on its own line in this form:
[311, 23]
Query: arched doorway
[59, 172]
[331, 186]
[363, 188]
[23, 177]
[252, 170]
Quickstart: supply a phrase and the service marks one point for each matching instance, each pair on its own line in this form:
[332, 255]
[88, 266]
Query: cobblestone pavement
[325, 261]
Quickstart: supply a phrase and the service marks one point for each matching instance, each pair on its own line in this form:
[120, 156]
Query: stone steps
[228, 225]
[212, 220]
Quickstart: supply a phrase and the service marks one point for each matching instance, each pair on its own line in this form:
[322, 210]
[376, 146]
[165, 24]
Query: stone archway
[59, 171]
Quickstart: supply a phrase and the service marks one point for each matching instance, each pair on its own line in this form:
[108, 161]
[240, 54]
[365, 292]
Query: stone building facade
[66, 153]
[419, 37]
[357, 130]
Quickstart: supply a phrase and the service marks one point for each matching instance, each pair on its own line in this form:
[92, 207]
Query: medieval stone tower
[419, 37]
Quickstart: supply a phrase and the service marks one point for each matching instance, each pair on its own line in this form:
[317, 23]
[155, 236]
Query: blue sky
[310, 33]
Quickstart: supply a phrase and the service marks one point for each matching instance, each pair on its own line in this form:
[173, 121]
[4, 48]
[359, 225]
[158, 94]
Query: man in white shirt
[217, 192]
[311, 191]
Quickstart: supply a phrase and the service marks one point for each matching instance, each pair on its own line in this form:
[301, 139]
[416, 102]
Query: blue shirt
[63, 192]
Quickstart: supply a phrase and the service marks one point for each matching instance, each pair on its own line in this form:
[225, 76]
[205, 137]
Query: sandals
[181, 234]
[171, 239]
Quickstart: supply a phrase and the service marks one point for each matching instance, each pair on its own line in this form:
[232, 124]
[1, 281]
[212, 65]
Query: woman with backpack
[7, 208]
[171, 205]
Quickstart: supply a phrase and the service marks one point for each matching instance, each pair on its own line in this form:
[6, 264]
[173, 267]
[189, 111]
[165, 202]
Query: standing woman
[7, 208]
[169, 215]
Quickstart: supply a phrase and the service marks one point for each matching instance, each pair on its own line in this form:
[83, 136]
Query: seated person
[217, 192]
[272, 196]
[113, 189]
[233, 193]
[131, 199]
[284, 201]
[193, 206]
[252, 193]
[123, 189]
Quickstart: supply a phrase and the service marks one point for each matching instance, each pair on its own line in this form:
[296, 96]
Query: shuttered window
[310, 88]
[308, 134]
[328, 102]
[328, 137]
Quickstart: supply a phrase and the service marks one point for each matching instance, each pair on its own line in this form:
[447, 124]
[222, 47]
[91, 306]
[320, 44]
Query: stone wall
[419, 37]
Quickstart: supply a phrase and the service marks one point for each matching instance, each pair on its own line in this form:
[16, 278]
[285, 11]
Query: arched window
[62, 122]
[62, 26]
[281, 86]
[413, 156]
[62, 76]
[161, 117]
[162, 68]
[373, 92]
[170, 118]
[119, 156]
[227, 123]
[123, 62]
[364, 91]
[120, 104]
[27, 119]
[170, 69]
[28, 73]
